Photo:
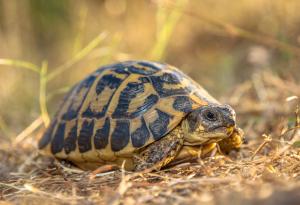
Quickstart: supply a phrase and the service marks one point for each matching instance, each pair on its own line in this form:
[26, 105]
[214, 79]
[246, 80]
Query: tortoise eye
[211, 116]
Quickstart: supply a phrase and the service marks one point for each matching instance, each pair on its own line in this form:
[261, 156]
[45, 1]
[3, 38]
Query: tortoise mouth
[216, 135]
[205, 141]
[226, 131]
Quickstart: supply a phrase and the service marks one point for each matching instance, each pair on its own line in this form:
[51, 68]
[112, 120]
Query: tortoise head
[208, 124]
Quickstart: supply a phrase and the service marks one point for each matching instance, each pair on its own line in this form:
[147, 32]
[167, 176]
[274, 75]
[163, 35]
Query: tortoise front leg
[160, 153]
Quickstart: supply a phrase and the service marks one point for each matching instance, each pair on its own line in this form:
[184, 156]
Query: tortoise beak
[230, 130]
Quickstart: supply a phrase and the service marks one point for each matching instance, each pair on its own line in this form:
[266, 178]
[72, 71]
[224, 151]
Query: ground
[265, 171]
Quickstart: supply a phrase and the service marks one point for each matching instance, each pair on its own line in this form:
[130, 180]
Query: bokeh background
[47, 46]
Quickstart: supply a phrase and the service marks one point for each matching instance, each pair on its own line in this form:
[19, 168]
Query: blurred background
[47, 46]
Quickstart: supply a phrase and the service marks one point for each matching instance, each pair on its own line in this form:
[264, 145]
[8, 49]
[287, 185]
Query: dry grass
[265, 171]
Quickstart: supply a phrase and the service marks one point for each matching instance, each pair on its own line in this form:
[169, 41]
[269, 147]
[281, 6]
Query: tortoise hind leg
[161, 152]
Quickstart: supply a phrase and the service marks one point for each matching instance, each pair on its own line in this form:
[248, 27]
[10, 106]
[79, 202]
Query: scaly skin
[161, 152]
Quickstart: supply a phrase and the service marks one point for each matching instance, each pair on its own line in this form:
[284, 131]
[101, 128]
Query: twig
[267, 139]
[123, 187]
[74, 170]
[290, 129]
[10, 186]
[27, 131]
[103, 169]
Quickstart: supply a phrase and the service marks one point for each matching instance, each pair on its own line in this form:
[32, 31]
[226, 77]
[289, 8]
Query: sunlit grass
[58, 91]
[44, 77]
[166, 22]
[77, 57]
[19, 63]
[42, 94]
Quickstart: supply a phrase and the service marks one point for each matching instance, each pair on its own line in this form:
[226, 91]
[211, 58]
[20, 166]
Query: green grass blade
[81, 54]
[58, 92]
[83, 11]
[166, 24]
[19, 63]
[42, 96]
[112, 48]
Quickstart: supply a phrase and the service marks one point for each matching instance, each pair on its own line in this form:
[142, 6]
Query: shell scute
[149, 102]
[159, 127]
[46, 139]
[71, 139]
[99, 102]
[57, 144]
[120, 136]
[141, 70]
[140, 136]
[102, 135]
[183, 104]
[168, 84]
[134, 101]
[85, 136]
[110, 81]
[78, 98]
[126, 96]
[152, 65]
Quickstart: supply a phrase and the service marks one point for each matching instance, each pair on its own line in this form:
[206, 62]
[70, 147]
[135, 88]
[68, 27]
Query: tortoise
[139, 115]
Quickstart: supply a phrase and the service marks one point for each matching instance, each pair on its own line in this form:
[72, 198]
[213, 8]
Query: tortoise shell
[121, 108]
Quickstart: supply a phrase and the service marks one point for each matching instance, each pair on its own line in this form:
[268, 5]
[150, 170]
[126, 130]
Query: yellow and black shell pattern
[121, 108]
